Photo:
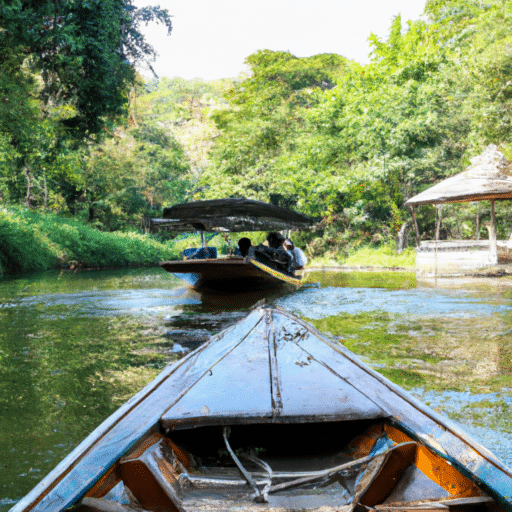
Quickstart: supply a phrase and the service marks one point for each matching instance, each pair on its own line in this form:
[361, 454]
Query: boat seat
[201, 253]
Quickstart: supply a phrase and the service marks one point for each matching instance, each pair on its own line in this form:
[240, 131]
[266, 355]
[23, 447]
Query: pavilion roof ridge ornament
[491, 162]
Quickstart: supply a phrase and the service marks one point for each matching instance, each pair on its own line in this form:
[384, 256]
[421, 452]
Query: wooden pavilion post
[439, 217]
[492, 237]
[415, 223]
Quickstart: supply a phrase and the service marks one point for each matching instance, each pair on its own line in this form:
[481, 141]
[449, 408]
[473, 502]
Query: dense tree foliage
[322, 134]
[352, 142]
[85, 51]
[68, 138]
[185, 108]
[261, 131]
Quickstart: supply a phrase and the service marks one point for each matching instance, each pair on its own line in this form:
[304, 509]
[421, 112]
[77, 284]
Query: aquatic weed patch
[485, 416]
[337, 277]
[436, 353]
[367, 255]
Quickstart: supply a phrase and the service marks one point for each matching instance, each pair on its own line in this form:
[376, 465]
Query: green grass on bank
[31, 241]
[37, 240]
[371, 256]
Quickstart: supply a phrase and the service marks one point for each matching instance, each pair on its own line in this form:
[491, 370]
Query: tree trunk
[28, 177]
[439, 218]
[401, 239]
[416, 229]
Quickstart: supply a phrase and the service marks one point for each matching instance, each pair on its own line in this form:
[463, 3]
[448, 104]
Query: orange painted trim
[436, 468]
[112, 478]
[107, 482]
[362, 444]
[140, 448]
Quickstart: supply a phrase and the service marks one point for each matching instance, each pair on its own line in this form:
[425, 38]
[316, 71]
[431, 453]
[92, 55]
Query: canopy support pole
[415, 222]
[492, 237]
[203, 240]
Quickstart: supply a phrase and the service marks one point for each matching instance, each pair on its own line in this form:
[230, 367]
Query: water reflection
[73, 347]
[207, 313]
[317, 303]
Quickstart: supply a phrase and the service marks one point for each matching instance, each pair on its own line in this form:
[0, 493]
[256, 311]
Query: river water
[75, 346]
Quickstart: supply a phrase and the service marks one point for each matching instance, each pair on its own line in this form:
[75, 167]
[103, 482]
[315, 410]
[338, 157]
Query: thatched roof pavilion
[489, 177]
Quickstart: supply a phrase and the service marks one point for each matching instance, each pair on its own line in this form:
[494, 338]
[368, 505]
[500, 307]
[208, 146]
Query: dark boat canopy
[230, 215]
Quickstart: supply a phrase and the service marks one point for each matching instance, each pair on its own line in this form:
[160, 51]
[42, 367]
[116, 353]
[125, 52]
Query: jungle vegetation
[84, 137]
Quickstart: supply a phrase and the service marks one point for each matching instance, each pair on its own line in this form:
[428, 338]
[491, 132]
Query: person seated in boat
[299, 258]
[274, 254]
[244, 248]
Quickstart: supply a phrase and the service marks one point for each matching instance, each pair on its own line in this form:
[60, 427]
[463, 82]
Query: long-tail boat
[269, 415]
[232, 273]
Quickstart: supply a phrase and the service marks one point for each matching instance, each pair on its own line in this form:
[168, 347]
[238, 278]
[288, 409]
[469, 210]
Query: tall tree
[259, 133]
[85, 51]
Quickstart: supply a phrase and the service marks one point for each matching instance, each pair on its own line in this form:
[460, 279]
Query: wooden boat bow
[272, 376]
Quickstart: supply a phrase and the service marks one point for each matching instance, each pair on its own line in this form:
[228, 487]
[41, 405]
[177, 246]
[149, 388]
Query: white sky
[211, 39]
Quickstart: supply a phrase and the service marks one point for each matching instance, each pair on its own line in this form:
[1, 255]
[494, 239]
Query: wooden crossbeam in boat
[154, 461]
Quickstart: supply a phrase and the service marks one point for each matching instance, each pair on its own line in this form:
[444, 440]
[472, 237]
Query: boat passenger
[299, 258]
[244, 247]
[275, 254]
[275, 240]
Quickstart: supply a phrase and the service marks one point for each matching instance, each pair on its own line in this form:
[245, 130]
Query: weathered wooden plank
[237, 387]
[310, 391]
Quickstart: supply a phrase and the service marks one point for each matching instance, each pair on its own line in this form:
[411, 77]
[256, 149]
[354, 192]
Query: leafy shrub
[32, 241]
[23, 248]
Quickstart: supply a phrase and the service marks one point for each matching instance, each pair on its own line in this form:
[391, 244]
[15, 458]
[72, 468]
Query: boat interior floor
[329, 466]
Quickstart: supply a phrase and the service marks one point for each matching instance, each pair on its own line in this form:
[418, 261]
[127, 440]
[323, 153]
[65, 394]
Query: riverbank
[32, 241]
[382, 257]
